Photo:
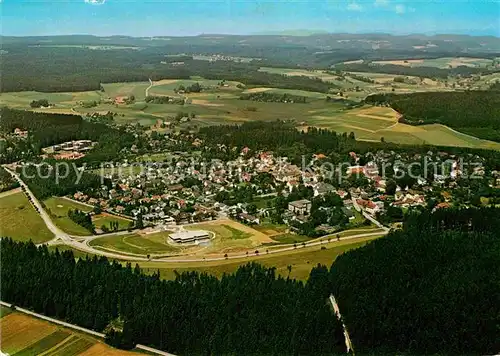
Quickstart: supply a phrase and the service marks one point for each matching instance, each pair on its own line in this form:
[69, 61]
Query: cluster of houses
[183, 191]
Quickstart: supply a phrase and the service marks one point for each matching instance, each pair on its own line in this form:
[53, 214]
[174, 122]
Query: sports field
[20, 221]
[58, 209]
[23, 335]
[230, 236]
[137, 244]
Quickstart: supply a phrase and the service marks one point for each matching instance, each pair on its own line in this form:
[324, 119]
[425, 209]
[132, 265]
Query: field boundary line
[79, 328]
[55, 321]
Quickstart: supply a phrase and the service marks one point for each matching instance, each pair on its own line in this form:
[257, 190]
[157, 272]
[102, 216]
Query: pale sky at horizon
[178, 18]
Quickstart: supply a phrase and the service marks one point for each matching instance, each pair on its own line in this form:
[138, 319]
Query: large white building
[185, 237]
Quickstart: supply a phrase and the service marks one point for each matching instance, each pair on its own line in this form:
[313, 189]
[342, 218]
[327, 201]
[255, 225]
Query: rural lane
[58, 233]
[147, 89]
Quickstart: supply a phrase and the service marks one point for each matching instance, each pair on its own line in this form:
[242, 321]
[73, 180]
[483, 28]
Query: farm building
[185, 237]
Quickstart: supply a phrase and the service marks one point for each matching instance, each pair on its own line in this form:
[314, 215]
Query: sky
[189, 17]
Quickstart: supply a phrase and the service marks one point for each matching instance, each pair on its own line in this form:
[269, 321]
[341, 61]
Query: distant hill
[298, 33]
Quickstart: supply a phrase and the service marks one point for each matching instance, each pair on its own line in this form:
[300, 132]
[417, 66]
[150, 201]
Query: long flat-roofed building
[184, 237]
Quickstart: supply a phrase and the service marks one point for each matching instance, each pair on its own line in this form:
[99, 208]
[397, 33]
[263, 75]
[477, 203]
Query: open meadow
[135, 244]
[24, 335]
[301, 261]
[443, 63]
[219, 103]
[59, 207]
[20, 221]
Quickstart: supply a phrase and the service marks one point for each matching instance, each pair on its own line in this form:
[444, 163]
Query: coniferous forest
[431, 288]
[252, 311]
[473, 112]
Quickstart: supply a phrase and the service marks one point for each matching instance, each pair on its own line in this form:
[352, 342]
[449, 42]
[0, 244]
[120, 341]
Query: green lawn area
[222, 231]
[106, 219]
[261, 203]
[138, 89]
[20, 221]
[237, 234]
[290, 238]
[58, 209]
[302, 261]
[137, 244]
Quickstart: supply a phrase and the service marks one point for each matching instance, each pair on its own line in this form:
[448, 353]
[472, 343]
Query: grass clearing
[58, 210]
[302, 261]
[20, 221]
[137, 244]
[137, 89]
[4, 311]
[106, 220]
[289, 238]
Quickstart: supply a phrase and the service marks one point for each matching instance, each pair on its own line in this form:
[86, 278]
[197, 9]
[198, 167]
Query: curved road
[60, 237]
[150, 86]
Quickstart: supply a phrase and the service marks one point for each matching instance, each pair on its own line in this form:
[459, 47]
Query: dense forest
[473, 112]
[424, 72]
[279, 136]
[250, 312]
[274, 98]
[76, 69]
[432, 288]
[45, 129]
[82, 218]
[62, 66]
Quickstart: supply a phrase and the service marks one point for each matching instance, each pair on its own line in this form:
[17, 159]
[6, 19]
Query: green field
[107, 219]
[137, 244]
[137, 89]
[20, 221]
[58, 210]
[218, 104]
[24, 335]
[288, 238]
[302, 261]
